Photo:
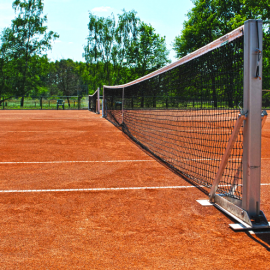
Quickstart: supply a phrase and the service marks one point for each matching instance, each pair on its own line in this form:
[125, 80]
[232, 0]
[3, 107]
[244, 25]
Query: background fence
[46, 103]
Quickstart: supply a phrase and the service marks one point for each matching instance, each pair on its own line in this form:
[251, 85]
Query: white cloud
[70, 43]
[101, 9]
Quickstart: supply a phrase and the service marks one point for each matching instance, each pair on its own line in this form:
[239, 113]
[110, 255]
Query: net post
[123, 101]
[98, 103]
[252, 127]
[103, 100]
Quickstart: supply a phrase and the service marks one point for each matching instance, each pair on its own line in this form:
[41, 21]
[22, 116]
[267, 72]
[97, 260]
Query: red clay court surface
[69, 213]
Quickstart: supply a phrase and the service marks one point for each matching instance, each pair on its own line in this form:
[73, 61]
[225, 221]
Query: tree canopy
[211, 19]
[118, 49]
[118, 53]
[23, 46]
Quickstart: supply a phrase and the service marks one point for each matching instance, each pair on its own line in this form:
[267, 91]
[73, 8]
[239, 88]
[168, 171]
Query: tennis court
[77, 193]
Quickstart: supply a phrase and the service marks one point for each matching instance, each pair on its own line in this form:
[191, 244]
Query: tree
[211, 19]
[67, 78]
[98, 50]
[24, 42]
[201, 28]
[126, 36]
[149, 51]
[116, 54]
[6, 69]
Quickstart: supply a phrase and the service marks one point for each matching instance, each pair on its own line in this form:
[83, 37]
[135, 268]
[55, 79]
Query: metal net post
[252, 128]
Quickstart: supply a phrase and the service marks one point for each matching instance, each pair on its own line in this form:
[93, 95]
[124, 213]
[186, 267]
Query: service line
[81, 161]
[103, 189]
[95, 189]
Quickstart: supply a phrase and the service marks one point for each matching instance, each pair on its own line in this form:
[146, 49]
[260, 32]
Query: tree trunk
[22, 101]
[68, 102]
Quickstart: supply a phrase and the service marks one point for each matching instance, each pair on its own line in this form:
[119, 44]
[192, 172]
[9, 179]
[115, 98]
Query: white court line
[260, 232]
[95, 189]
[83, 161]
[75, 119]
[209, 159]
[1, 118]
[59, 131]
[42, 131]
[99, 189]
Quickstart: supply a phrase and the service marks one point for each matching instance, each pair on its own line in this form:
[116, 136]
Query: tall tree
[67, 78]
[126, 36]
[210, 19]
[98, 51]
[24, 42]
[149, 52]
[4, 81]
[119, 53]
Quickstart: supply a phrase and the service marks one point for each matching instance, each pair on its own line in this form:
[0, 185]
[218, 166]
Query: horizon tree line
[117, 50]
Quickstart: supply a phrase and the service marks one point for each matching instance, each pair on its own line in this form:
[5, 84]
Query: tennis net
[93, 103]
[185, 113]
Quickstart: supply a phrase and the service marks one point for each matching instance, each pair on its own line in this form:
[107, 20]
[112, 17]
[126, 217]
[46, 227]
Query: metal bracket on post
[247, 211]
[229, 205]
[226, 156]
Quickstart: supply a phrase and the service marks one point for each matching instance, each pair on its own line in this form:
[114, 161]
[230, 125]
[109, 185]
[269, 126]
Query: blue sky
[69, 18]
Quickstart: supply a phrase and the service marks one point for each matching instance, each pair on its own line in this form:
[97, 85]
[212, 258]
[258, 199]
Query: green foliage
[66, 78]
[210, 19]
[22, 49]
[150, 51]
[116, 54]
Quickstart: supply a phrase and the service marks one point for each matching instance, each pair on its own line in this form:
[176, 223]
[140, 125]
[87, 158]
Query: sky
[69, 18]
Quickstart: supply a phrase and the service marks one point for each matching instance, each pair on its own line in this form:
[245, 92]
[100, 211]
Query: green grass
[47, 104]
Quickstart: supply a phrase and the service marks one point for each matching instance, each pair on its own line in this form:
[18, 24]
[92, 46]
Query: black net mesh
[113, 100]
[93, 102]
[186, 116]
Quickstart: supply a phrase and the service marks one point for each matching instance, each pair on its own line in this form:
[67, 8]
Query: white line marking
[264, 232]
[83, 161]
[10, 118]
[210, 159]
[100, 189]
[60, 131]
[93, 189]
[42, 131]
